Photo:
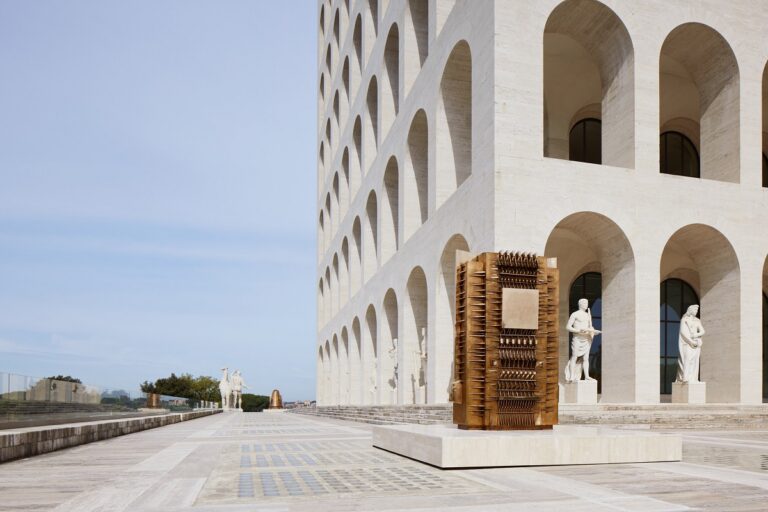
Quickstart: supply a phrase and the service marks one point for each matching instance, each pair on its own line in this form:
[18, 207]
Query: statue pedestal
[689, 392]
[446, 446]
[579, 392]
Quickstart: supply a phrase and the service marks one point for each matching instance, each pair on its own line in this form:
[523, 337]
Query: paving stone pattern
[284, 462]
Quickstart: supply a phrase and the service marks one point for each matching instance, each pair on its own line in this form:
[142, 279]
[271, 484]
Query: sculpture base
[689, 392]
[445, 446]
[579, 392]
[274, 410]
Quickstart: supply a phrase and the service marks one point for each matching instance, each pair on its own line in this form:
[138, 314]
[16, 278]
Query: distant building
[626, 139]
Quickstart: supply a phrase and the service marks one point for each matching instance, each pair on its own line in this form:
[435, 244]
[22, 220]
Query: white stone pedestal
[580, 392]
[446, 446]
[689, 393]
[274, 410]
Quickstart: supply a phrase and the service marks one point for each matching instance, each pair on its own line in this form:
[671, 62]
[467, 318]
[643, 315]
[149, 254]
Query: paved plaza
[285, 462]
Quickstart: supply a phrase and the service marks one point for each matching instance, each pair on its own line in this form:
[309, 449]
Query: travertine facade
[446, 124]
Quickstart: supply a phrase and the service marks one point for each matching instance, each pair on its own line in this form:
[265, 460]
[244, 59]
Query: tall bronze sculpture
[506, 343]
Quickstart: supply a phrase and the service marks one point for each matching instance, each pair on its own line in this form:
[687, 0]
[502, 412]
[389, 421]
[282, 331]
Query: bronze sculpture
[275, 401]
[506, 343]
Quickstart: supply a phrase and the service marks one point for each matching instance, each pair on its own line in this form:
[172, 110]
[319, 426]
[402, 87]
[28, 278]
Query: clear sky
[157, 190]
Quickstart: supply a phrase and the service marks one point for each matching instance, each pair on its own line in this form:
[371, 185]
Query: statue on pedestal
[689, 343]
[580, 325]
[237, 389]
[225, 388]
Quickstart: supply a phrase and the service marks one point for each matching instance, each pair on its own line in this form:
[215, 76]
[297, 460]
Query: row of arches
[405, 195]
[636, 361]
[391, 357]
[589, 95]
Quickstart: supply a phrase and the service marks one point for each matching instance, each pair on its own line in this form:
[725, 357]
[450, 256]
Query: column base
[689, 393]
[579, 392]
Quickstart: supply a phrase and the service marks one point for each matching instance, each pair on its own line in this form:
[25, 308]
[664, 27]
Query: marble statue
[225, 388]
[237, 389]
[580, 325]
[393, 355]
[689, 343]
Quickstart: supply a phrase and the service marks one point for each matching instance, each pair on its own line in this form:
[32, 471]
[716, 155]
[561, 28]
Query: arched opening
[676, 297]
[416, 40]
[327, 377]
[344, 373]
[389, 359]
[355, 270]
[336, 119]
[320, 378]
[335, 372]
[336, 217]
[390, 212]
[416, 177]
[765, 331]
[371, 124]
[344, 274]
[328, 62]
[453, 154]
[371, 28]
[351, 180]
[589, 66]
[589, 285]
[703, 258]
[336, 287]
[370, 357]
[590, 242]
[414, 342]
[320, 304]
[336, 28]
[370, 245]
[765, 126]
[329, 221]
[678, 155]
[699, 97]
[322, 21]
[357, 43]
[355, 364]
[329, 138]
[441, 354]
[585, 143]
[356, 159]
[322, 89]
[329, 291]
[321, 157]
[390, 103]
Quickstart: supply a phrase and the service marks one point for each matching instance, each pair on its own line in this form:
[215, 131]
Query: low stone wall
[22, 443]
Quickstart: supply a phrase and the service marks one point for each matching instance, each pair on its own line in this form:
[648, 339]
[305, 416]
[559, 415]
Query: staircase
[657, 416]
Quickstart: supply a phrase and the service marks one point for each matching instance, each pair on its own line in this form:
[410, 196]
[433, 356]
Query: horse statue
[225, 388]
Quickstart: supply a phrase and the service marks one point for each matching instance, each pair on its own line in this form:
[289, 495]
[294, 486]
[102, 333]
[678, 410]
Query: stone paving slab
[260, 462]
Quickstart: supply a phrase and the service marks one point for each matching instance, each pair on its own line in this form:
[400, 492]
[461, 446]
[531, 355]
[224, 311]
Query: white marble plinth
[446, 446]
[580, 392]
[274, 410]
[689, 392]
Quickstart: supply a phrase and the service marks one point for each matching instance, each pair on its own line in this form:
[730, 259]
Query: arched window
[585, 142]
[676, 297]
[678, 155]
[765, 170]
[590, 286]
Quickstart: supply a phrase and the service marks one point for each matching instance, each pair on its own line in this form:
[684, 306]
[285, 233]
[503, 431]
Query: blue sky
[157, 190]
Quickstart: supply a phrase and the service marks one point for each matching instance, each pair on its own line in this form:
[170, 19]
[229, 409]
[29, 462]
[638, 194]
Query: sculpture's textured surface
[505, 373]
[275, 401]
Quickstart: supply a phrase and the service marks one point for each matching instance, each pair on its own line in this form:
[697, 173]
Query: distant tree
[185, 386]
[254, 403]
[66, 378]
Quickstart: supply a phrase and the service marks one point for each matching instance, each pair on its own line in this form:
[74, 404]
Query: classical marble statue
[237, 389]
[225, 388]
[393, 355]
[689, 343]
[580, 325]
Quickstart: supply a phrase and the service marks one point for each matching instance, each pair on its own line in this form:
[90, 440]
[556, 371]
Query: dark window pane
[765, 170]
[585, 142]
[673, 332]
[674, 300]
[678, 155]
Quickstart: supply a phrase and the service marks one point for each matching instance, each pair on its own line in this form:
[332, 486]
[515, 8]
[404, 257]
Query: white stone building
[627, 139]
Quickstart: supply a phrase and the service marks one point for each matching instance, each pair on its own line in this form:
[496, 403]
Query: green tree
[254, 403]
[185, 386]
